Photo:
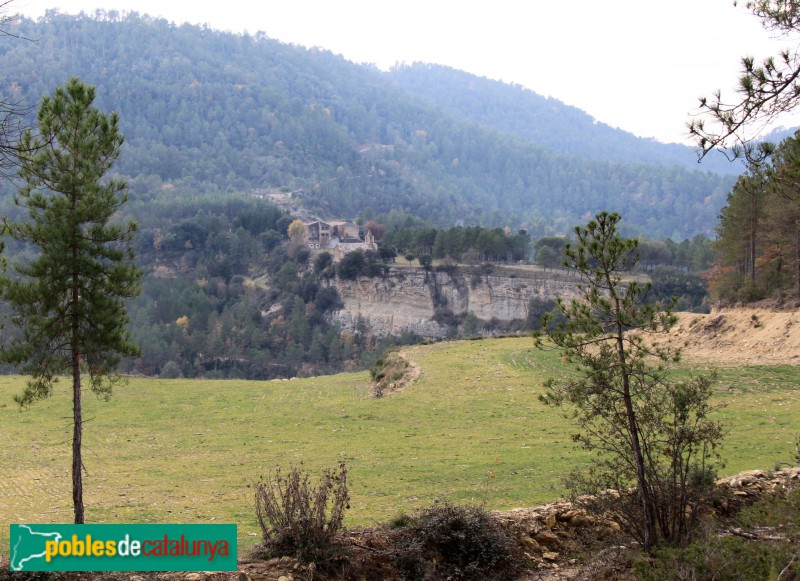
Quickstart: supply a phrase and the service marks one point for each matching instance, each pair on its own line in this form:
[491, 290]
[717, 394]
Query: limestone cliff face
[408, 299]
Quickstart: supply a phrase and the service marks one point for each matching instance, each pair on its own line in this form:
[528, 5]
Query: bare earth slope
[739, 336]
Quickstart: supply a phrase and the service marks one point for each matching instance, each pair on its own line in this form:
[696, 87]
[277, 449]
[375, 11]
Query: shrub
[302, 256]
[761, 542]
[327, 299]
[399, 521]
[375, 269]
[388, 370]
[724, 558]
[322, 261]
[751, 292]
[170, 370]
[299, 519]
[472, 325]
[797, 452]
[701, 476]
[453, 542]
[351, 265]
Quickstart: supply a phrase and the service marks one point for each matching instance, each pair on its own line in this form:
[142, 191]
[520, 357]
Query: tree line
[471, 244]
[758, 247]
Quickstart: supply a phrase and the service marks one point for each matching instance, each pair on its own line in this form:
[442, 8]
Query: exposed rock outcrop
[413, 300]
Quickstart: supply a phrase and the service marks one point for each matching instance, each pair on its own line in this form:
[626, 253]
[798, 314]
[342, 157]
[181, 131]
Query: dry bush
[300, 519]
[453, 542]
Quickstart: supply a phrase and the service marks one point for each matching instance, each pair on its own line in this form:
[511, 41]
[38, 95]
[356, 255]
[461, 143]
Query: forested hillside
[759, 231]
[225, 295]
[214, 121]
[515, 110]
[207, 111]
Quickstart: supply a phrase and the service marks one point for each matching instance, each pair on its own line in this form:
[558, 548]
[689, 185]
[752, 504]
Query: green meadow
[469, 430]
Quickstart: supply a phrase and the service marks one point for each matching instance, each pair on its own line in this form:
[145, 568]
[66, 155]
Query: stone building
[337, 237]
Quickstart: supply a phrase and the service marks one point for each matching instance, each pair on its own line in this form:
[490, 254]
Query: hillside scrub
[391, 372]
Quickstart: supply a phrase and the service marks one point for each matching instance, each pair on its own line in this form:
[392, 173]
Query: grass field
[470, 429]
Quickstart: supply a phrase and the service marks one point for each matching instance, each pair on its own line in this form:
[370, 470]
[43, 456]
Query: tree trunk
[797, 257]
[649, 524]
[77, 431]
[753, 234]
[77, 415]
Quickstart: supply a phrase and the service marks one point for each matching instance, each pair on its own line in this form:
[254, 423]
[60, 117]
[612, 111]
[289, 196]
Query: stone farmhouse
[337, 237]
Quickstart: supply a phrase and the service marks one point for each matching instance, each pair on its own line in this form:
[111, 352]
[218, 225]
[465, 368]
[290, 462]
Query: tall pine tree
[69, 300]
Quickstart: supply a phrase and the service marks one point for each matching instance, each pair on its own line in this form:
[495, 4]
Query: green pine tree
[69, 300]
[650, 435]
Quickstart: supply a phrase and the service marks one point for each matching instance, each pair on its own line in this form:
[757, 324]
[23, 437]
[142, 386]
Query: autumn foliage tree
[297, 230]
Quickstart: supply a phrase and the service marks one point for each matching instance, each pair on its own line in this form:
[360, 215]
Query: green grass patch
[470, 429]
[719, 555]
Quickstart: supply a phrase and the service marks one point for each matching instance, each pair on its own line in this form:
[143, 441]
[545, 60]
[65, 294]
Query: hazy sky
[635, 64]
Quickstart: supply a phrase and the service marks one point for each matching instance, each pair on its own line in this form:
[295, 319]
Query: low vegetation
[471, 420]
[389, 372]
[301, 519]
[760, 542]
[445, 541]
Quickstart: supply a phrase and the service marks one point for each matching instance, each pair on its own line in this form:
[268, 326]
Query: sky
[639, 65]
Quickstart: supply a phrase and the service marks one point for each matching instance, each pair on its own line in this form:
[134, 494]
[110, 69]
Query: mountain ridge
[205, 110]
[519, 111]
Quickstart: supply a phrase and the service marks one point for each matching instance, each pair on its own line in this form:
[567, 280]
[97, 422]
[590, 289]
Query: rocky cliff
[431, 303]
